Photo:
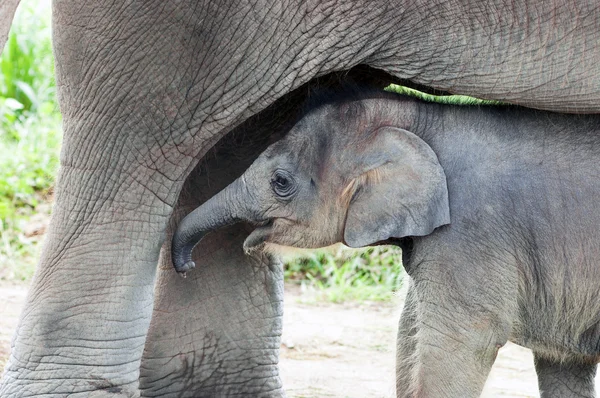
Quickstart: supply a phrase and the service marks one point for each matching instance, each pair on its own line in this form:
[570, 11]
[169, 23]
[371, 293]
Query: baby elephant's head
[344, 173]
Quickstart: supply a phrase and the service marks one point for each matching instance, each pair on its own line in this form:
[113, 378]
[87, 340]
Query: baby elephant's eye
[283, 184]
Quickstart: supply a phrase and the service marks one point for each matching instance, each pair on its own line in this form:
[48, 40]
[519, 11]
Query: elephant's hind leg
[566, 379]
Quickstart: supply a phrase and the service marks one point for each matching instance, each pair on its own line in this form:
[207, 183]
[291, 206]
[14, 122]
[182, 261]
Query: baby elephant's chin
[257, 238]
[284, 253]
[269, 239]
[287, 253]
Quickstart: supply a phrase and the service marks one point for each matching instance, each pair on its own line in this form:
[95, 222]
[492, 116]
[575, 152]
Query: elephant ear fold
[400, 190]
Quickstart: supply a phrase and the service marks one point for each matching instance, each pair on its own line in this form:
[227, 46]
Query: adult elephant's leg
[85, 321]
[84, 325]
[564, 379]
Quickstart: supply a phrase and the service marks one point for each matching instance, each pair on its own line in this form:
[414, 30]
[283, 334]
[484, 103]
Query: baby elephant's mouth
[259, 236]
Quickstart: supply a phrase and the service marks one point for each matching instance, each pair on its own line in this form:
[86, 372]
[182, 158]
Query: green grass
[30, 136]
[372, 274]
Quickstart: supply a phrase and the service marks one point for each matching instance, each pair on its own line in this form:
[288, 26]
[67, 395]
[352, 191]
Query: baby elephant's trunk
[219, 211]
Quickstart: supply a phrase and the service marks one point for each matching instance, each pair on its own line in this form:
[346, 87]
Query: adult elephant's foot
[14, 388]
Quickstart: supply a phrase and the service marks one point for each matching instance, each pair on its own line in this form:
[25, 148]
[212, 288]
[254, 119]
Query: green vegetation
[372, 274]
[440, 99]
[30, 137]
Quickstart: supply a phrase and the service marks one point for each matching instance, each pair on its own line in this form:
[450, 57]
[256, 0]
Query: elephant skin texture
[495, 209]
[152, 95]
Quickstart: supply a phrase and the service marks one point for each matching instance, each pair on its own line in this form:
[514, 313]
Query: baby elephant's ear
[400, 190]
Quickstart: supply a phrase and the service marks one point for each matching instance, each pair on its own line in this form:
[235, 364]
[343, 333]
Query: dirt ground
[332, 350]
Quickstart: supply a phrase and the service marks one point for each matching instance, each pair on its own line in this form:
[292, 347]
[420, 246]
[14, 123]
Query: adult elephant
[147, 88]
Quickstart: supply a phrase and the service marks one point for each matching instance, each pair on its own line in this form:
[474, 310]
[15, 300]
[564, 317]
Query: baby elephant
[497, 210]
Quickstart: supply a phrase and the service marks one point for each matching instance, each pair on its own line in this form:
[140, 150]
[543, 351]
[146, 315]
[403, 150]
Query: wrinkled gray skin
[147, 88]
[516, 260]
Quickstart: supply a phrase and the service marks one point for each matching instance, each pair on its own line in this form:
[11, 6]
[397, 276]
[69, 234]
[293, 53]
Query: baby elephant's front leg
[446, 348]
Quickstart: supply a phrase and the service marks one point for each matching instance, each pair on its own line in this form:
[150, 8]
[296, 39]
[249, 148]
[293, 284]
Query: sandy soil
[331, 350]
